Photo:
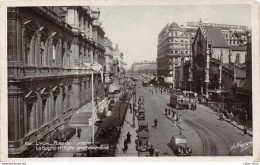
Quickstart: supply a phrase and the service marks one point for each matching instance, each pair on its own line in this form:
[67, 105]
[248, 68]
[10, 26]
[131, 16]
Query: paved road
[206, 134]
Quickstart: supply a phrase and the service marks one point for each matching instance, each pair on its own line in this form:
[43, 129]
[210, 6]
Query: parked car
[142, 142]
[179, 146]
[141, 114]
[142, 126]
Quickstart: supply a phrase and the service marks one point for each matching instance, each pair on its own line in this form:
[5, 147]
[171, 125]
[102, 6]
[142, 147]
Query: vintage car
[179, 146]
[140, 106]
[142, 126]
[142, 141]
[141, 114]
[177, 99]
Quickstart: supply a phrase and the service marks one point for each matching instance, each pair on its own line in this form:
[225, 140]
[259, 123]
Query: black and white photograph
[124, 80]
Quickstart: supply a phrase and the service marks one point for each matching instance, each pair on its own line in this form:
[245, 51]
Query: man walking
[79, 132]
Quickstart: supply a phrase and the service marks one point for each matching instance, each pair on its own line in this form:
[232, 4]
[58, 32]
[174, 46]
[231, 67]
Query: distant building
[173, 49]
[146, 67]
[121, 64]
[108, 68]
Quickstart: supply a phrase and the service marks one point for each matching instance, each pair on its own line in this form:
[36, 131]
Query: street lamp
[94, 66]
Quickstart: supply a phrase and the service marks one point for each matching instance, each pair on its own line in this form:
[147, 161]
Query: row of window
[176, 40]
[180, 46]
[180, 52]
[178, 33]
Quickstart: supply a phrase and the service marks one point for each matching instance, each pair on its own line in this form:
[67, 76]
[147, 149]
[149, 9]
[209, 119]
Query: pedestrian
[128, 135]
[166, 111]
[79, 132]
[175, 117]
[169, 111]
[151, 150]
[125, 146]
[245, 130]
[180, 119]
[157, 152]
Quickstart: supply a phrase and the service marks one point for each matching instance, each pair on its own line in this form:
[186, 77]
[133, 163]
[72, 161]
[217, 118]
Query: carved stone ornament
[13, 14]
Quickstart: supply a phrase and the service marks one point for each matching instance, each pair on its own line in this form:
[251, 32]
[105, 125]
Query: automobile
[141, 114]
[143, 141]
[142, 126]
[179, 146]
[141, 106]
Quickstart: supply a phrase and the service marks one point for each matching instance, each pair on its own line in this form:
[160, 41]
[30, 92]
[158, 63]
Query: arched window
[44, 42]
[68, 54]
[54, 54]
[29, 42]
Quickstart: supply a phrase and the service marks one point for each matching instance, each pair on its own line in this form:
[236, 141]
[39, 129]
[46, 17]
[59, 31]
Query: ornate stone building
[215, 64]
[173, 49]
[109, 60]
[146, 67]
[47, 80]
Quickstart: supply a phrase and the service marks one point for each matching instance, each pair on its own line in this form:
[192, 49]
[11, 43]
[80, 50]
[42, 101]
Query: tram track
[209, 146]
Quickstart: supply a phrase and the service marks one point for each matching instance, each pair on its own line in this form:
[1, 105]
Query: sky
[135, 28]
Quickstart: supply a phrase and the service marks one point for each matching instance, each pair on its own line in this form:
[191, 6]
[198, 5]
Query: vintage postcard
[139, 80]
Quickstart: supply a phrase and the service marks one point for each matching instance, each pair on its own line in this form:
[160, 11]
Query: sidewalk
[234, 123]
[128, 126]
[86, 133]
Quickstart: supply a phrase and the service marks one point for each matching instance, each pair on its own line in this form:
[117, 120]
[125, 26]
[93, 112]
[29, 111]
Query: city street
[205, 133]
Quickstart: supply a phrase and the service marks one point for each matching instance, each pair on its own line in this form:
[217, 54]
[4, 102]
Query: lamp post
[94, 67]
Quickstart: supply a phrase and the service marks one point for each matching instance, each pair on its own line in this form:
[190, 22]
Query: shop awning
[80, 119]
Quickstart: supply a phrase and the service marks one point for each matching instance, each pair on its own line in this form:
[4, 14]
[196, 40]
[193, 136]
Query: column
[38, 112]
[207, 68]
[50, 107]
[50, 52]
[14, 41]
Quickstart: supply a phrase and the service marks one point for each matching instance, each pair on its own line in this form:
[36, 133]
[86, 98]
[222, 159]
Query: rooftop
[216, 37]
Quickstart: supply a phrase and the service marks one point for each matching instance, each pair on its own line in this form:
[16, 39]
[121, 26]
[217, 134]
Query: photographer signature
[242, 146]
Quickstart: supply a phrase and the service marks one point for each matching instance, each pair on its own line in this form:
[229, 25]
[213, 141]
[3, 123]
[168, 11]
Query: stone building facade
[145, 67]
[173, 48]
[108, 60]
[47, 80]
[119, 57]
[214, 63]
